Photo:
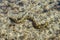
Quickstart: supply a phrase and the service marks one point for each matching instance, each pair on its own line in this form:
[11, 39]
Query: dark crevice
[12, 39]
[58, 3]
[39, 3]
[50, 2]
[12, 20]
[6, 39]
[21, 4]
[52, 38]
[57, 32]
[18, 18]
[57, 6]
[11, 25]
[45, 10]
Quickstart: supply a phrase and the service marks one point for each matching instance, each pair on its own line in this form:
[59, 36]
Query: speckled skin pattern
[30, 20]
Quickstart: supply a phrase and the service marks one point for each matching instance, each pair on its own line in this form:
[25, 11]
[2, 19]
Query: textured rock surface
[29, 20]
